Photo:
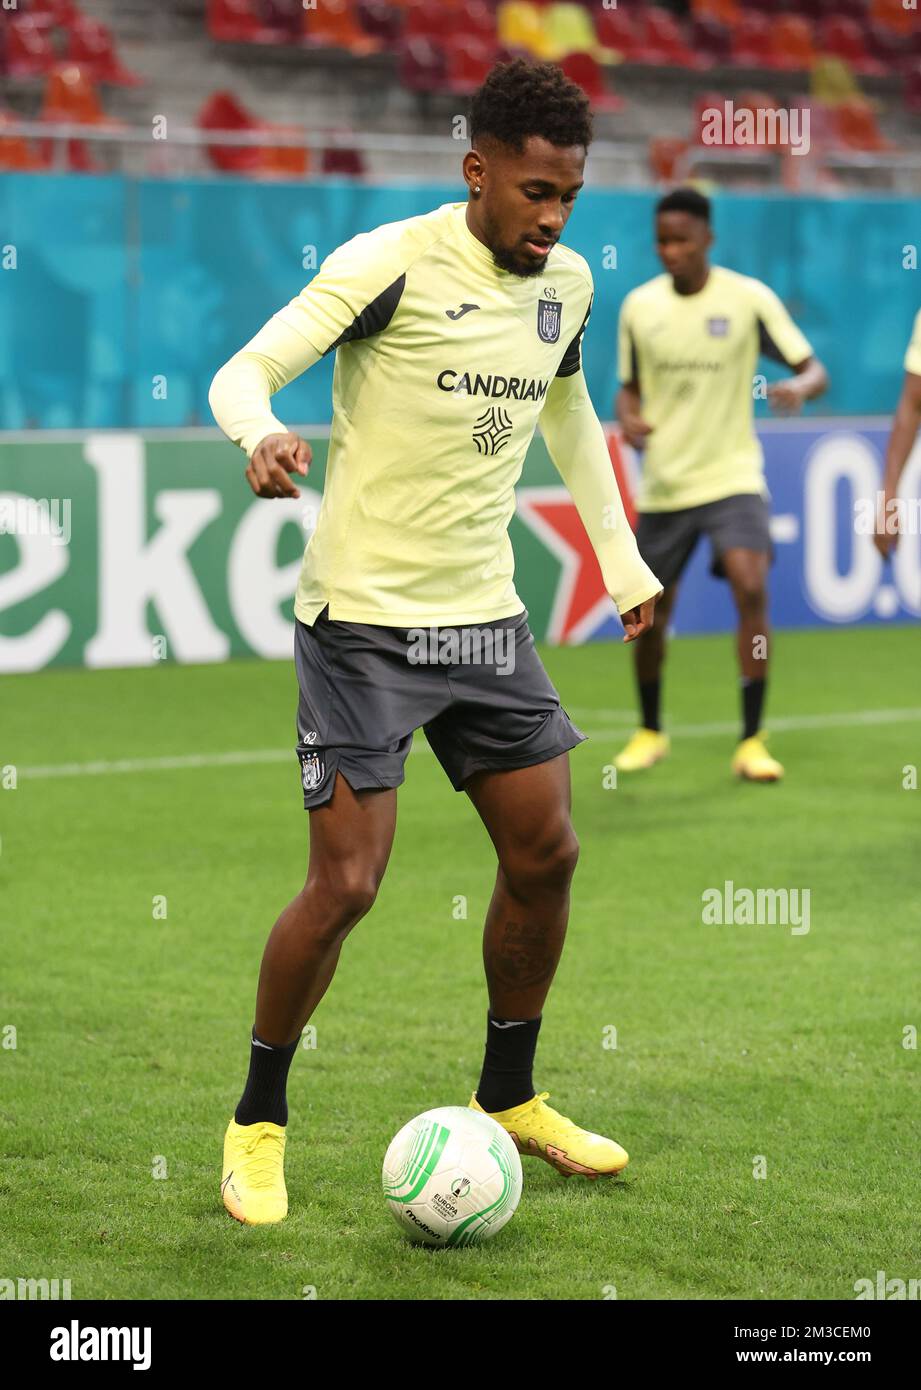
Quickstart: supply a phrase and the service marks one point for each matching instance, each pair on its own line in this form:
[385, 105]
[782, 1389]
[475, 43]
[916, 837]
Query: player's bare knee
[751, 598]
[341, 896]
[545, 866]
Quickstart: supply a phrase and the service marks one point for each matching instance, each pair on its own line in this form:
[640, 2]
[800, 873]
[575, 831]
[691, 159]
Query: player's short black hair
[519, 99]
[685, 200]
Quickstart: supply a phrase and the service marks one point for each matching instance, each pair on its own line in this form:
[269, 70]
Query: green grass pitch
[733, 1042]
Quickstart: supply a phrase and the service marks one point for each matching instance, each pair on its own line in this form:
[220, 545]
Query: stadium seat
[584, 69]
[723, 11]
[893, 14]
[520, 26]
[842, 37]
[751, 41]
[568, 28]
[470, 61]
[662, 39]
[347, 162]
[617, 31]
[58, 12]
[380, 21]
[791, 43]
[888, 47]
[473, 19]
[238, 21]
[706, 101]
[71, 95]
[30, 51]
[91, 45]
[913, 91]
[223, 111]
[284, 18]
[710, 40]
[422, 66]
[17, 155]
[856, 128]
[665, 156]
[335, 24]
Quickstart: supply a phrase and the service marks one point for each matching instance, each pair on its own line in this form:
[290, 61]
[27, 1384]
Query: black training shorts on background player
[364, 690]
[666, 540]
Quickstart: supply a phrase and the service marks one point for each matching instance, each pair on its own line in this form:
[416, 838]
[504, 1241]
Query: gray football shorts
[478, 691]
[667, 540]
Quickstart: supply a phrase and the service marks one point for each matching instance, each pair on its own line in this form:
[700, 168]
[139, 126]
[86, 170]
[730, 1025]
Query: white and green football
[452, 1176]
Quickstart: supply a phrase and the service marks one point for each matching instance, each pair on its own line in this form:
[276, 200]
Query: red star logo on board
[582, 604]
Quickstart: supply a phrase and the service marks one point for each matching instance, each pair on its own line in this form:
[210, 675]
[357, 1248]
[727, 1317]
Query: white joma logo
[76, 1343]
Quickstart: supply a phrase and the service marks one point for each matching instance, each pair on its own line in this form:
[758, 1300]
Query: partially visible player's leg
[747, 572]
[527, 814]
[649, 744]
[350, 840]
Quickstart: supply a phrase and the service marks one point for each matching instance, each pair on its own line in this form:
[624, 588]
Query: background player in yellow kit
[455, 333]
[689, 344]
[901, 441]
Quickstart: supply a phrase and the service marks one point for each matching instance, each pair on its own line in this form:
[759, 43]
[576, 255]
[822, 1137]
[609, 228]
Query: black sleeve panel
[374, 317]
[768, 348]
[572, 357]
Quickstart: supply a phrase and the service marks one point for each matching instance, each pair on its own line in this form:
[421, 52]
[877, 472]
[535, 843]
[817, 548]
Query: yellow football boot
[541, 1132]
[752, 761]
[253, 1182]
[645, 748]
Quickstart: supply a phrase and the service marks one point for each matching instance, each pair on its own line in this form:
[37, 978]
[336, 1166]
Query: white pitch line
[256, 756]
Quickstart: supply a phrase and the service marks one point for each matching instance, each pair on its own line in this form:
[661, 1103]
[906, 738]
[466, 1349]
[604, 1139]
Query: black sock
[752, 705]
[263, 1096]
[649, 703]
[510, 1048]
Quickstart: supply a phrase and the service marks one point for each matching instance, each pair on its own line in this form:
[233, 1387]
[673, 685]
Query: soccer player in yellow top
[689, 345]
[901, 441]
[455, 333]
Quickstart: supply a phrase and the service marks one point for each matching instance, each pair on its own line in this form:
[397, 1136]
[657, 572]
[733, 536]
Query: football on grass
[452, 1176]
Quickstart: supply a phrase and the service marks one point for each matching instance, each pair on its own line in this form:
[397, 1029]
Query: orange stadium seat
[665, 155]
[30, 51]
[585, 69]
[856, 128]
[726, 11]
[893, 14]
[16, 153]
[71, 95]
[791, 43]
[334, 24]
[91, 45]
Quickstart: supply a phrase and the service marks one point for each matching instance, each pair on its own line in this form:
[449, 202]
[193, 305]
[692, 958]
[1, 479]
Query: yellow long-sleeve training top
[444, 366]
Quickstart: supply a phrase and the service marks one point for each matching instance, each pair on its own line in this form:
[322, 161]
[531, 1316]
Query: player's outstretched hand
[785, 397]
[635, 430]
[886, 536]
[639, 620]
[272, 461]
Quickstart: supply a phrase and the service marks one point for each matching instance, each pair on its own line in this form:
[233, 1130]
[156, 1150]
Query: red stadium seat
[57, 12]
[334, 24]
[91, 45]
[284, 18]
[662, 39]
[842, 37]
[751, 41]
[584, 69]
[423, 66]
[72, 95]
[30, 51]
[472, 19]
[710, 40]
[381, 21]
[238, 21]
[665, 156]
[618, 30]
[470, 61]
[427, 19]
[222, 111]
